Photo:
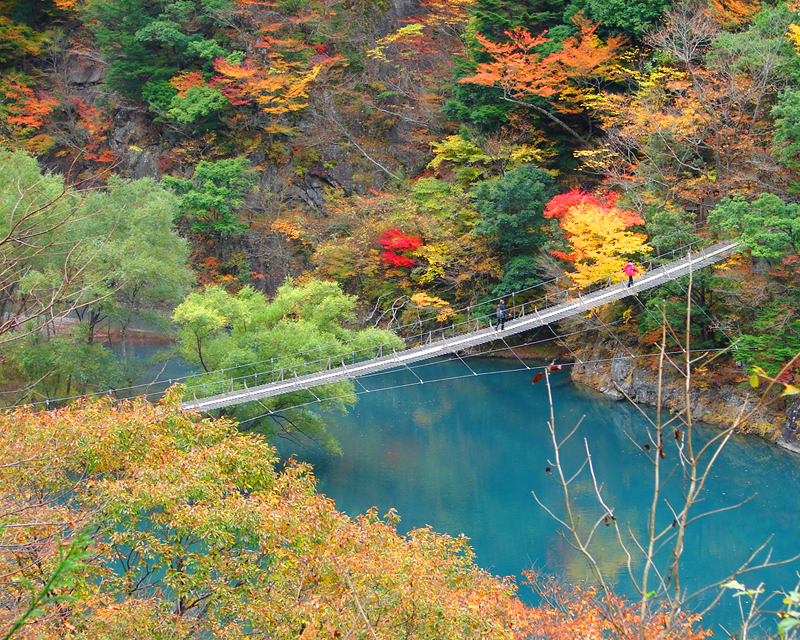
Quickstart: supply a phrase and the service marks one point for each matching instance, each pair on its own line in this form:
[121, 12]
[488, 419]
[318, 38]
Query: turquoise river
[465, 455]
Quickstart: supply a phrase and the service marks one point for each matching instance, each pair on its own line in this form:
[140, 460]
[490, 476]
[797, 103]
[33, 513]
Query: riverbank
[719, 394]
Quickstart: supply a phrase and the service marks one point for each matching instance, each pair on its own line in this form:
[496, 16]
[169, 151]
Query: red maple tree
[396, 243]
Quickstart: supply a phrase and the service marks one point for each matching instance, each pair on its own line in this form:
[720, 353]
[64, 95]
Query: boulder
[84, 71]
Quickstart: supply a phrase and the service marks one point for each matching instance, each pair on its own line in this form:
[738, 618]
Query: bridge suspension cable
[335, 369]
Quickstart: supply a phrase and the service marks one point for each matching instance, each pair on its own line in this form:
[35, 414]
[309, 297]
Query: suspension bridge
[456, 338]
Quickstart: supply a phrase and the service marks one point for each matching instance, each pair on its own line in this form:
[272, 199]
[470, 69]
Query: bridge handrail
[468, 309]
[352, 357]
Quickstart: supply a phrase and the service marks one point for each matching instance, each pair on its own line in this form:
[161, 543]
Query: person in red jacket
[630, 270]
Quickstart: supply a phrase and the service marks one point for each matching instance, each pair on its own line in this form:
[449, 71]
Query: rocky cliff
[718, 397]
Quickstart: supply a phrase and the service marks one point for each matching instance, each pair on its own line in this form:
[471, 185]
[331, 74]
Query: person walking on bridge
[630, 270]
[501, 315]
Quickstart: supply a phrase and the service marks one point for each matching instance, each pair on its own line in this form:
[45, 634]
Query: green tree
[101, 255]
[197, 103]
[147, 42]
[786, 137]
[139, 268]
[511, 209]
[768, 226]
[521, 272]
[629, 17]
[50, 234]
[49, 367]
[212, 198]
[774, 338]
[669, 227]
[244, 336]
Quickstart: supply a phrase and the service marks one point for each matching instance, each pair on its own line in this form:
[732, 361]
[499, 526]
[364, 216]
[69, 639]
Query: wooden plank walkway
[539, 317]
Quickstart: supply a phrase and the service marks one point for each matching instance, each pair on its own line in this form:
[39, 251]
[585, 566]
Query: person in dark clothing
[501, 315]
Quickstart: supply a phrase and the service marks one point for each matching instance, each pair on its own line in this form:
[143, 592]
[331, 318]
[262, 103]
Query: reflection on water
[464, 456]
[146, 363]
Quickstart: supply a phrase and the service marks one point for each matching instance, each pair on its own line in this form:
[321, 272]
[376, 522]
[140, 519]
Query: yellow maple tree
[424, 301]
[599, 235]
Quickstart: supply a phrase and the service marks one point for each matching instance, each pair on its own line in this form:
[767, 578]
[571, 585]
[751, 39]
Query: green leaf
[787, 624]
[733, 584]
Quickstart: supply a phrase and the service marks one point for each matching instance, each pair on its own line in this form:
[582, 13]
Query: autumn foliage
[565, 77]
[193, 529]
[580, 611]
[397, 245]
[281, 88]
[27, 108]
[597, 232]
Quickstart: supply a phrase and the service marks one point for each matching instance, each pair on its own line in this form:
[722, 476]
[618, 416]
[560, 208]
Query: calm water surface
[465, 455]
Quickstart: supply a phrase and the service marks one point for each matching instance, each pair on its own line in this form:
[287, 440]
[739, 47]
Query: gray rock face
[310, 191]
[83, 71]
[790, 433]
[129, 131]
[609, 368]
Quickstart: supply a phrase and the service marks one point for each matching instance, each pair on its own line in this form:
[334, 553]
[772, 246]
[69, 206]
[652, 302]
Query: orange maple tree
[282, 63]
[93, 125]
[27, 108]
[280, 88]
[565, 78]
[28, 112]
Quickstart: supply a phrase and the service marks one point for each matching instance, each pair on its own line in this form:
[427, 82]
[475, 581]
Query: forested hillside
[423, 156]
[255, 180]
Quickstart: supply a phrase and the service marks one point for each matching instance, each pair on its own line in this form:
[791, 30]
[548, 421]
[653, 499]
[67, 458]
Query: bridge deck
[538, 318]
